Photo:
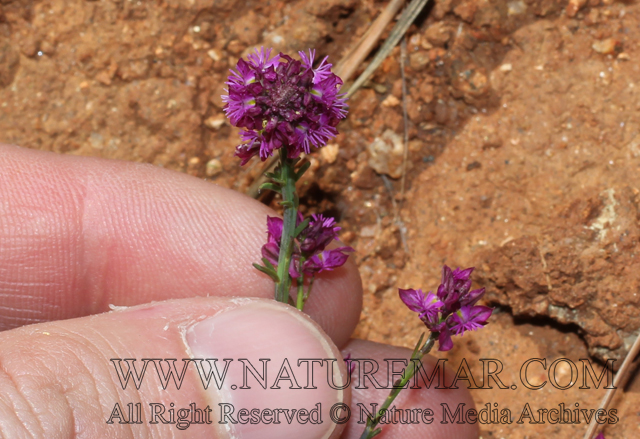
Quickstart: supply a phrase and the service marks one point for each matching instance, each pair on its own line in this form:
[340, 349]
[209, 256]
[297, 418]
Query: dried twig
[398, 31]
[617, 382]
[405, 118]
[352, 60]
[396, 214]
[397, 218]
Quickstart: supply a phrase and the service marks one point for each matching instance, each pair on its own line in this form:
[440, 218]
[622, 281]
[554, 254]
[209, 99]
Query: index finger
[78, 234]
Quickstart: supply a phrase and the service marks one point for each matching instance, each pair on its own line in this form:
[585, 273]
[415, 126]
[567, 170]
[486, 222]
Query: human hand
[80, 234]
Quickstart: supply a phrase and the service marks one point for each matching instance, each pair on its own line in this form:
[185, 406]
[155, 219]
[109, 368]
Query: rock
[329, 152]
[580, 270]
[473, 165]
[9, 62]
[466, 10]
[214, 55]
[236, 47]
[574, 6]
[419, 60]
[215, 122]
[387, 242]
[607, 46]
[363, 106]
[469, 79]
[391, 101]
[213, 168]
[438, 34]
[323, 8]
[516, 8]
[441, 8]
[426, 92]
[634, 146]
[386, 154]
[363, 177]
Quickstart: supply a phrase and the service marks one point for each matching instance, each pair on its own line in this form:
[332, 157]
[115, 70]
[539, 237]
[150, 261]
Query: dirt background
[524, 152]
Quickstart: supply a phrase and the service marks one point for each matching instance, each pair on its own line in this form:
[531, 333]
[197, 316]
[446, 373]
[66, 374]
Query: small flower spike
[283, 103]
[310, 247]
[453, 310]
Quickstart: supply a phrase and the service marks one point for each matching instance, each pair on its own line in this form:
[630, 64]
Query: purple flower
[310, 246]
[444, 339]
[326, 260]
[283, 103]
[453, 310]
[271, 250]
[428, 306]
[454, 289]
[469, 318]
[320, 232]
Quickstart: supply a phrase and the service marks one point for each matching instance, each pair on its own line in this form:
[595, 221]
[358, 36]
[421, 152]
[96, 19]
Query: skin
[80, 234]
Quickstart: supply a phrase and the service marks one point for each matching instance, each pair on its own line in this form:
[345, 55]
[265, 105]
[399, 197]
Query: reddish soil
[524, 151]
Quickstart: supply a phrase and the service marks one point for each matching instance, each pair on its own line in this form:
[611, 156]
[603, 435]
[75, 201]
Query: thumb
[75, 378]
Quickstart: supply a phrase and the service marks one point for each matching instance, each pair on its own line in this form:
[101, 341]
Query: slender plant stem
[617, 382]
[308, 293]
[301, 296]
[415, 363]
[290, 203]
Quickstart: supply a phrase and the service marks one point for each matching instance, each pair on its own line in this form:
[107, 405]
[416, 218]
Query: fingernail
[266, 330]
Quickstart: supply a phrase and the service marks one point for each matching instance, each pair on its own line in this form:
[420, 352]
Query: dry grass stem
[619, 381]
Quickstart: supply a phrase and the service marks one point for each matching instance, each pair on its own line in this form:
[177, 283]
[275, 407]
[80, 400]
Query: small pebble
[215, 122]
[607, 46]
[214, 55]
[214, 167]
[329, 153]
[391, 101]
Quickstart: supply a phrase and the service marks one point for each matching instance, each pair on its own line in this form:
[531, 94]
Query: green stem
[308, 293]
[371, 430]
[300, 301]
[290, 203]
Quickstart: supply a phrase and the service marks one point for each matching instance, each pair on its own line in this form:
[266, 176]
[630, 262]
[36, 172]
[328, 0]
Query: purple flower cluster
[281, 102]
[310, 255]
[453, 309]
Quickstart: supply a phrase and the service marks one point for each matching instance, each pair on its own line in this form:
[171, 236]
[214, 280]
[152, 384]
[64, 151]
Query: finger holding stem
[415, 363]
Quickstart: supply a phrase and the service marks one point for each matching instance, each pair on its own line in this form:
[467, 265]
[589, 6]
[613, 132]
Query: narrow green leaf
[287, 203]
[268, 264]
[275, 178]
[418, 345]
[376, 432]
[301, 227]
[302, 170]
[272, 274]
[271, 186]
